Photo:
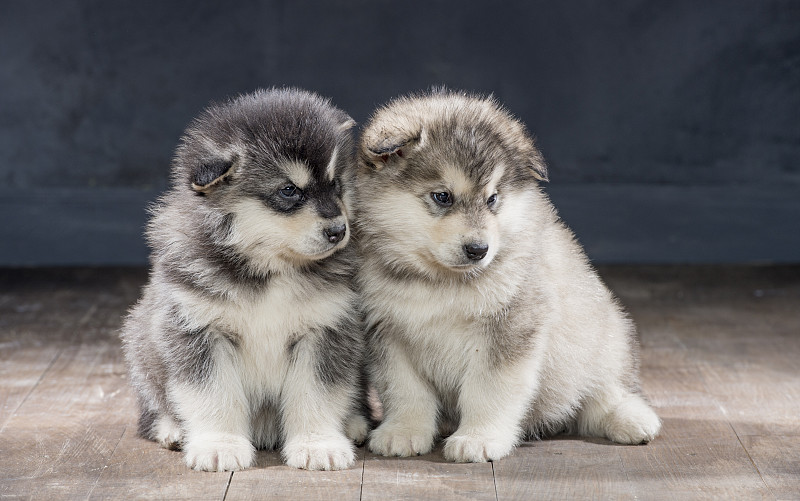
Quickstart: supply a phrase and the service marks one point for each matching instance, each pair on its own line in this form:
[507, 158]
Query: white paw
[167, 433]
[356, 428]
[393, 440]
[319, 452]
[476, 448]
[632, 422]
[219, 452]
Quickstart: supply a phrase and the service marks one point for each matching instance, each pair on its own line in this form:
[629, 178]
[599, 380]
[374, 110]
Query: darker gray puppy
[247, 334]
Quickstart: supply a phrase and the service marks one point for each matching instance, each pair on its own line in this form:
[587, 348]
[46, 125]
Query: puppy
[483, 312]
[248, 334]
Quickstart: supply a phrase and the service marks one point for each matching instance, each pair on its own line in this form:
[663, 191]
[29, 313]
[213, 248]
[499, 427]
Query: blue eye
[289, 191]
[492, 200]
[442, 198]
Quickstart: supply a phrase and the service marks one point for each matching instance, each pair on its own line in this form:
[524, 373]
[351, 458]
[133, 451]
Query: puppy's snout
[476, 250]
[335, 233]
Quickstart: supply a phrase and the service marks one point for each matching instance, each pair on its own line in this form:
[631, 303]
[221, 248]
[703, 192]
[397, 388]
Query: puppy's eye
[442, 198]
[290, 191]
[491, 200]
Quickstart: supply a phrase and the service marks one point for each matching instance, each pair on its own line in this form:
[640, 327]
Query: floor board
[428, 477]
[138, 469]
[720, 363]
[271, 479]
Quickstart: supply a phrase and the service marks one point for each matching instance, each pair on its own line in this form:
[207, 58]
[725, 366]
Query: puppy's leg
[167, 432]
[215, 415]
[156, 424]
[620, 416]
[357, 425]
[492, 404]
[313, 410]
[409, 405]
[356, 428]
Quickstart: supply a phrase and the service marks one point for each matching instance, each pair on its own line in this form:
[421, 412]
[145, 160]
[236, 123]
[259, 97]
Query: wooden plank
[271, 479]
[58, 442]
[563, 468]
[75, 437]
[692, 462]
[21, 369]
[758, 399]
[38, 316]
[778, 460]
[428, 477]
[751, 364]
[140, 469]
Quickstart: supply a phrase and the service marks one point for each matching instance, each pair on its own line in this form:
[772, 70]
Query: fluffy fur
[248, 334]
[483, 313]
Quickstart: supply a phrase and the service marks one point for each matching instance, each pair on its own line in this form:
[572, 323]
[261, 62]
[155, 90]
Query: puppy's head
[267, 172]
[445, 181]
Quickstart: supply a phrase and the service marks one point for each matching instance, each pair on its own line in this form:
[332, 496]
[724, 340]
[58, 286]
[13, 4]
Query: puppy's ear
[537, 164]
[209, 173]
[347, 124]
[391, 149]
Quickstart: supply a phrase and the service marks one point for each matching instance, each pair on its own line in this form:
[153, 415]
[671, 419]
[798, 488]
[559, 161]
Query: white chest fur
[443, 326]
[264, 325]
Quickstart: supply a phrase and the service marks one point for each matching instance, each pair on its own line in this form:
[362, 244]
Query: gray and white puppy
[248, 334]
[482, 310]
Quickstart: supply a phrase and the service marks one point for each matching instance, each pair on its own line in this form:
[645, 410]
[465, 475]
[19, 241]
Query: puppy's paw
[356, 428]
[632, 422]
[219, 452]
[167, 433]
[319, 452]
[476, 448]
[394, 440]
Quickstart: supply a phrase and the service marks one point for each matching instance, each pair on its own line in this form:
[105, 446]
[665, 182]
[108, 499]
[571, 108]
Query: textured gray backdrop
[671, 129]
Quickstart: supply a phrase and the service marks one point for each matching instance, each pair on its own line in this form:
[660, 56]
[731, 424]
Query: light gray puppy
[248, 332]
[483, 312]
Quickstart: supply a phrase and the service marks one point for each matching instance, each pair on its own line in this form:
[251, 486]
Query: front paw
[319, 452]
[219, 452]
[476, 448]
[394, 440]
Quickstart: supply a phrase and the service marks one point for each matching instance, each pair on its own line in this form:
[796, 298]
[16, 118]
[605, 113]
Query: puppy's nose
[476, 250]
[335, 233]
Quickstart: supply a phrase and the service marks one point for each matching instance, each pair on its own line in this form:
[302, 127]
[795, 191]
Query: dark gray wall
[671, 128]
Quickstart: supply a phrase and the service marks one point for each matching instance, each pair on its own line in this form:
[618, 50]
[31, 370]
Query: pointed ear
[347, 124]
[210, 173]
[537, 164]
[390, 149]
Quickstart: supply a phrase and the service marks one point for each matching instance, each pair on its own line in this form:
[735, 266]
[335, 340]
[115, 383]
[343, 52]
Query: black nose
[335, 233]
[476, 251]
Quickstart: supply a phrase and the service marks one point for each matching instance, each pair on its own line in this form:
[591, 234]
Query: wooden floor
[720, 362]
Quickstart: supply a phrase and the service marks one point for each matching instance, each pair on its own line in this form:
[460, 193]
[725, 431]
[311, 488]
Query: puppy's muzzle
[335, 233]
[476, 251]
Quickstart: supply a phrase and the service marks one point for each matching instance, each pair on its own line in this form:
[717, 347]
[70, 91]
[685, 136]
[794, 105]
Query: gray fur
[529, 331]
[221, 241]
